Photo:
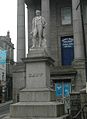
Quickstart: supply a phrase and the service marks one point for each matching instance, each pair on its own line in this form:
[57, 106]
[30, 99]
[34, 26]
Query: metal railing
[81, 114]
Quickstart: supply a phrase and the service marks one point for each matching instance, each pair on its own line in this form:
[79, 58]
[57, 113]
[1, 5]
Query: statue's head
[37, 12]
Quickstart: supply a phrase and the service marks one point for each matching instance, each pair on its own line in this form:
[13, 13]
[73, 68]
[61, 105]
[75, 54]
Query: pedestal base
[37, 109]
[37, 95]
[37, 100]
[66, 116]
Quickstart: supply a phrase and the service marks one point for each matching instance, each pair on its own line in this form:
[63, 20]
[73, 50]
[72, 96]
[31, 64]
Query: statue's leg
[40, 35]
[34, 38]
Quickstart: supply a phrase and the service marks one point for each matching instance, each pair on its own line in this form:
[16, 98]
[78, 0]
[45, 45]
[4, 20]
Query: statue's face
[37, 13]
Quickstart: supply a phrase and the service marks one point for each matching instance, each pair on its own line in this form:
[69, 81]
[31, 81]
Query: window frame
[61, 15]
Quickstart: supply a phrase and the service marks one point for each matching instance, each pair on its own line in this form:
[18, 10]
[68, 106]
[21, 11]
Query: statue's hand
[31, 33]
[43, 26]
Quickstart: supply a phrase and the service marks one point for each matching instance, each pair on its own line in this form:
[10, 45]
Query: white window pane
[66, 15]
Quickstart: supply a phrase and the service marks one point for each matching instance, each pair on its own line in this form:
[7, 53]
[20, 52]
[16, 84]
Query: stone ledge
[62, 117]
[37, 103]
[37, 109]
[36, 95]
[36, 89]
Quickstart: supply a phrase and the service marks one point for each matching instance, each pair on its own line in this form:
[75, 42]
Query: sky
[8, 21]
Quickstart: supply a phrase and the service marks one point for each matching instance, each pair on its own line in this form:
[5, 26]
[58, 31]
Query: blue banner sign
[67, 89]
[67, 42]
[3, 56]
[58, 88]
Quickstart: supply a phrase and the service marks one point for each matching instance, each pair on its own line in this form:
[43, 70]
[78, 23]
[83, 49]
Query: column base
[80, 79]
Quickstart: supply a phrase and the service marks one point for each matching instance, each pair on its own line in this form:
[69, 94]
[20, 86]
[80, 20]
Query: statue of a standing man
[38, 28]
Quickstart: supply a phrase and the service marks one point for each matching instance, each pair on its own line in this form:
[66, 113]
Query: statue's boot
[40, 43]
[33, 43]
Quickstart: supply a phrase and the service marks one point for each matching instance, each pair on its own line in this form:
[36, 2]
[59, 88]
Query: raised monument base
[37, 109]
[37, 100]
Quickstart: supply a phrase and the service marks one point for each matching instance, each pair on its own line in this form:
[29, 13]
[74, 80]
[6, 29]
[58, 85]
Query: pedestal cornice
[38, 55]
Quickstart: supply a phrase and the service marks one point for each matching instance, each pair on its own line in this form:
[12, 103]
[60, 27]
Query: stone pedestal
[37, 100]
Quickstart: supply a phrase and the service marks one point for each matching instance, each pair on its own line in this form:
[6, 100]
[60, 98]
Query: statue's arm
[44, 22]
[32, 26]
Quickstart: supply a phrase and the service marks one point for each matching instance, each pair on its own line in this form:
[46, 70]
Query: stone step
[37, 109]
[62, 117]
[37, 95]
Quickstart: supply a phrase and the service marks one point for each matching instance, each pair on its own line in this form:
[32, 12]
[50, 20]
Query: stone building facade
[64, 34]
[6, 44]
[2, 74]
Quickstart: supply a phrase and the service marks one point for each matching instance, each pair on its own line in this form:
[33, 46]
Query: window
[58, 89]
[66, 15]
[62, 89]
[67, 50]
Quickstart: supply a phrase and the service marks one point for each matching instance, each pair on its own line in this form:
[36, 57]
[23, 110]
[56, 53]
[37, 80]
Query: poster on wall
[67, 42]
[3, 56]
[58, 88]
[67, 50]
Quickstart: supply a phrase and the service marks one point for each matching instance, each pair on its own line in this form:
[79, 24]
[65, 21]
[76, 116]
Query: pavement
[5, 103]
[2, 105]
[4, 116]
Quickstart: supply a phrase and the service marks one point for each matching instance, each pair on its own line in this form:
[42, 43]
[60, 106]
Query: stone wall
[57, 30]
[83, 98]
[75, 104]
[18, 80]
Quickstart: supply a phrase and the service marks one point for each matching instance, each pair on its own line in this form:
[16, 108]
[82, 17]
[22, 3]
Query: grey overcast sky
[8, 20]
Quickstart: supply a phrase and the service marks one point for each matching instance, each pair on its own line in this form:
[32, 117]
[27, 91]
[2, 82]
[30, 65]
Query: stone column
[79, 63]
[45, 8]
[31, 13]
[20, 30]
[77, 30]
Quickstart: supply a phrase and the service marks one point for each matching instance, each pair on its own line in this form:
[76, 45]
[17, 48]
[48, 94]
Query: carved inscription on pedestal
[32, 75]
